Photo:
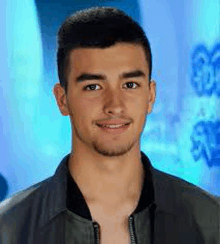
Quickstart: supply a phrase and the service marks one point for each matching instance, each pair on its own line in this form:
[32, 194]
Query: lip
[114, 130]
[113, 122]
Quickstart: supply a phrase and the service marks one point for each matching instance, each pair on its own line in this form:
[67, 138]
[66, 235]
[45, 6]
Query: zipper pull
[97, 232]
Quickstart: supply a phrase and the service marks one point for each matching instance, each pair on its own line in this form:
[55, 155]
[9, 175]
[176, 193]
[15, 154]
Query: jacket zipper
[97, 232]
[131, 229]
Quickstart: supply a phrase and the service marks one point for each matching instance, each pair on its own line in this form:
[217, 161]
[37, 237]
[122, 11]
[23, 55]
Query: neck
[108, 180]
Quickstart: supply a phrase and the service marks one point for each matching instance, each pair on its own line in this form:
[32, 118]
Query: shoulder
[191, 201]
[187, 191]
[23, 198]
[18, 214]
[20, 209]
[25, 214]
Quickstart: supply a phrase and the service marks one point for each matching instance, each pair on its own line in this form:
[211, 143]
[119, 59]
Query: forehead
[121, 55]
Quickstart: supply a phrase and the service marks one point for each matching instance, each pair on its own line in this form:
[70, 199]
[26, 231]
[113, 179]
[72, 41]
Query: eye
[130, 86]
[91, 86]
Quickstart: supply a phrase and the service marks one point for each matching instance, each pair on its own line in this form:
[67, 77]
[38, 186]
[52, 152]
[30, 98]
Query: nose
[114, 103]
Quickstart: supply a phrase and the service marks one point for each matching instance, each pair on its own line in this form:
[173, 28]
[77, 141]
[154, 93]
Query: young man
[106, 190]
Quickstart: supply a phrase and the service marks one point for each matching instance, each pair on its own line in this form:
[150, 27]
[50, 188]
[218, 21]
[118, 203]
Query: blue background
[182, 135]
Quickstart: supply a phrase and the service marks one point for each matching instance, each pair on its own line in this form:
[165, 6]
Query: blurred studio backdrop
[182, 135]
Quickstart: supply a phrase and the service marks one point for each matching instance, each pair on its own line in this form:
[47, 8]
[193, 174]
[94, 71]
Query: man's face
[99, 91]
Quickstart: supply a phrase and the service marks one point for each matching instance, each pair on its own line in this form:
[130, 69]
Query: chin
[113, 152]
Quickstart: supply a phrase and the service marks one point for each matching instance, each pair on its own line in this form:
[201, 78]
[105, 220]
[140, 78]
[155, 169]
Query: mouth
[113, 126]
[114, 129]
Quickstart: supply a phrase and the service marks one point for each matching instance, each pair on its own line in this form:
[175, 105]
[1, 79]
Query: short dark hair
[97, 27]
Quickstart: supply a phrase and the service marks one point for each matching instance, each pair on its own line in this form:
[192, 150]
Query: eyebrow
[125, 75]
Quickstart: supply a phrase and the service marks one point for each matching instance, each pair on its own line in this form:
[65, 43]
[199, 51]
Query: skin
[107, 167]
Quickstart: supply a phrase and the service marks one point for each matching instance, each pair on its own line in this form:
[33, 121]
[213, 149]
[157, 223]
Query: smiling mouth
[114, 130]
[113, 126]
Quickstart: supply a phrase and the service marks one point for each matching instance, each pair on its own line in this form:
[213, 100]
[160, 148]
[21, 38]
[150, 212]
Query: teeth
[112, 126]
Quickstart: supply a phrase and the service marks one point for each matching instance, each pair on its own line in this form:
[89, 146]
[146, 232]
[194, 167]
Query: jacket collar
[61, 192]
[54, 193]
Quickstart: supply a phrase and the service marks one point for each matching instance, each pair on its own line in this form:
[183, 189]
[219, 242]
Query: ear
[61, 99]
[152, 96]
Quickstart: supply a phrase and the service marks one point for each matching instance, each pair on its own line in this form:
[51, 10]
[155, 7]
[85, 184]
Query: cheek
[86, 110]
[140, 105]
[140, 111]
[82, 105]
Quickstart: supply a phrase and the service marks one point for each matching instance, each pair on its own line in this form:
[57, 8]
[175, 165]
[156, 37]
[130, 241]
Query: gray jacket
[181, 213]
